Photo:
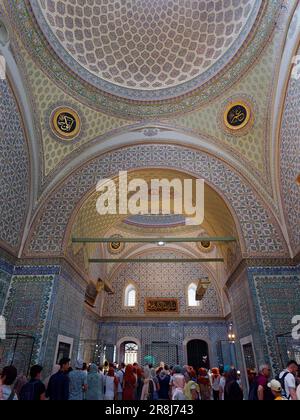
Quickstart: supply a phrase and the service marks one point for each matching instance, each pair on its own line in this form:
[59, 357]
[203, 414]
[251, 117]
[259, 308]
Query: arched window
[192, 295]
[130, 296]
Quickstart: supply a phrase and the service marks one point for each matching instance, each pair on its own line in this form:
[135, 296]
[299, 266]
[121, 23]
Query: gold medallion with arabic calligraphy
[66, 123]
[237, 115]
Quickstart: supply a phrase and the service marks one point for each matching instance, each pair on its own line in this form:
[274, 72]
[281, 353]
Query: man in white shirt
[120, 375]
[289, 375]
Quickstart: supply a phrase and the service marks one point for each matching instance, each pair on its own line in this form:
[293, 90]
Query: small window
[130, 296]
[192, 295]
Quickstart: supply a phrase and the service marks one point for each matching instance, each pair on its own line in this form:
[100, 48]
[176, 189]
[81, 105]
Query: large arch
[261, 232]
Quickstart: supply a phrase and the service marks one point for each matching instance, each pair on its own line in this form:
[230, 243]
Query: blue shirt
[58, 387]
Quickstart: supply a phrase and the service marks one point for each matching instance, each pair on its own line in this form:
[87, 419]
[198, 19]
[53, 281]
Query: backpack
[282, 382]
[28, 391]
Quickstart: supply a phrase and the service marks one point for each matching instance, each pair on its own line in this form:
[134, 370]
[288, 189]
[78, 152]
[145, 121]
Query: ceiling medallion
[65, 123]
[205, 246]
[116, 247]
[238, 116]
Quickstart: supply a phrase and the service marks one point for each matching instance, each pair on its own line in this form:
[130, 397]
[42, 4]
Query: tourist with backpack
[34, 390]
[287, 378]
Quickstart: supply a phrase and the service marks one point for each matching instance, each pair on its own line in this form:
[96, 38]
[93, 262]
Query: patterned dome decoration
[146, 45]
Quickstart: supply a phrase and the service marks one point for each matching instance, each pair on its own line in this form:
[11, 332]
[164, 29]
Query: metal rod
[153, 260]
[153, 240]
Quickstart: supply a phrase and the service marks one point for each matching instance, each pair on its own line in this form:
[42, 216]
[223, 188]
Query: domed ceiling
[145, 48]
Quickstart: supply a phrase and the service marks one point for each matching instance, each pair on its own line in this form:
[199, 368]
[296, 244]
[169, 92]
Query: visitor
[140, 383]
[120, 375]
[34, 390]
[233, 391]
[111, 385]
[7, 379]
[223, 374]
[156, 383]
[177, 384]
[78, 382]
[259, 390]
[298, 393]
[58, 387]
[287, 378]
[192, 389]
[129, 384]
[19, 383]
[164, 385]
[276, 390]
[95, 384]
[215, 380]
[149, 388]
[205, 385]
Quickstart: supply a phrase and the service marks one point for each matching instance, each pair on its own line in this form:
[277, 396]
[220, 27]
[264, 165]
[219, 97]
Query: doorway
[197, 354]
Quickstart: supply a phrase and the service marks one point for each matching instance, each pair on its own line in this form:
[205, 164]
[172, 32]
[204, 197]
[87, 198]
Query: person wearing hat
[276, 389]
[78, 382]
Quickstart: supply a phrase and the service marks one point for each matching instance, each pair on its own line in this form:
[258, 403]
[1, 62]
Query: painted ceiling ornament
[205, 246]
[115, 247]
[65, 123]
[95, 44]
[238, 116]
[203, 285]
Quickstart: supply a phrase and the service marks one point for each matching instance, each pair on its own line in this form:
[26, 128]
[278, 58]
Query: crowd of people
[114, 382]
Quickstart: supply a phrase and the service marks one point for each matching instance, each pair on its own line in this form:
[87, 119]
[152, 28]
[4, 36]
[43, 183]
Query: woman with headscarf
[111, 385]
[95, 381]
[204, 384]
[149, 387]
[233, 391]
[140, 383]
[156, 383]
[177, 384]
[164, 385]
[192, 391]
[129, 384]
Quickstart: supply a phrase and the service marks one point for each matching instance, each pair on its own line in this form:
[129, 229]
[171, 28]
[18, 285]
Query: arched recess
[124, 340]
[260, 230]
[200, 338]
[218, 220]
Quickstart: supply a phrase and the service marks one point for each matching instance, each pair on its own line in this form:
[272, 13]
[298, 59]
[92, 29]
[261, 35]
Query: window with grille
[130, 296]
